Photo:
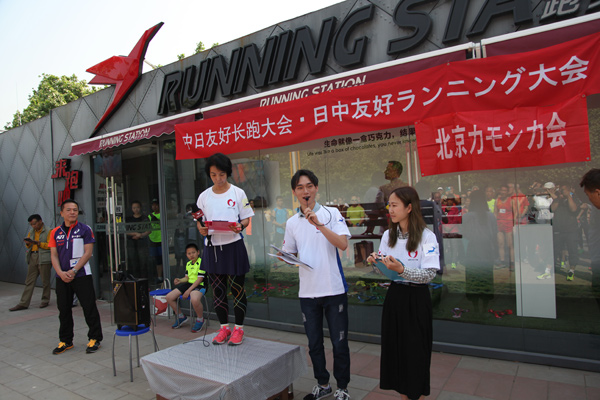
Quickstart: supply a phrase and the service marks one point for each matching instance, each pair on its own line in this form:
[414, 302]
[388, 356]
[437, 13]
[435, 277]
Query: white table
[256, 369]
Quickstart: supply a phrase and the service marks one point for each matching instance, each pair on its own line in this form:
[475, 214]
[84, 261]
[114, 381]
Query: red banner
[495, 139]
[538, 78]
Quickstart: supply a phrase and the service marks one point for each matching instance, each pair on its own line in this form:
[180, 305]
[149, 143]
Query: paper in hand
[290, 258]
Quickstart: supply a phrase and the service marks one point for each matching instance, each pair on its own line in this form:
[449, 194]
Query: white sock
[199, 319]
[181, 315]
[239, 327]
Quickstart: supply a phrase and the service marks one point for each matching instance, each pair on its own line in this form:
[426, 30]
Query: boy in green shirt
[189, 287]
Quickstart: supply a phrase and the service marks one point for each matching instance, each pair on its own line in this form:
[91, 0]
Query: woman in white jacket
[410, 249]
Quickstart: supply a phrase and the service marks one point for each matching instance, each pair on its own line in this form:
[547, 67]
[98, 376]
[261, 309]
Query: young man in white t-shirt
[315, 233]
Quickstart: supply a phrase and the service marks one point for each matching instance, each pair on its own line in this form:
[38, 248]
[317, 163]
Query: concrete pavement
[29, 370]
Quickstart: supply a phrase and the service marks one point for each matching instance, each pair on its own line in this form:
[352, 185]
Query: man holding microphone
[315, 233]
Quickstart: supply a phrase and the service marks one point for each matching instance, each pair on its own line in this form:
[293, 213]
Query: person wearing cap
[155, 237]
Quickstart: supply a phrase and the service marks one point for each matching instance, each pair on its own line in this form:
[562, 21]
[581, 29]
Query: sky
[67, 37]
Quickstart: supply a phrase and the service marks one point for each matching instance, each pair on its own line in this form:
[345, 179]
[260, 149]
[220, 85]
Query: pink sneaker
[237, 337]
[222, 336]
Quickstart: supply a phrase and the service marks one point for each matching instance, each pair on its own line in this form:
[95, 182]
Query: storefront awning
[132, 135]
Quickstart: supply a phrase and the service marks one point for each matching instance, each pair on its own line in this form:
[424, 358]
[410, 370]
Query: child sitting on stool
[189, 287]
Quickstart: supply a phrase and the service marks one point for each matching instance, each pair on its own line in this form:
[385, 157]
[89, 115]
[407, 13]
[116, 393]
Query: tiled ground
[28, 370]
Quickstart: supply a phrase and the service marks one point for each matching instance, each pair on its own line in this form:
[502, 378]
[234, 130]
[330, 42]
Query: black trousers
[83, 287]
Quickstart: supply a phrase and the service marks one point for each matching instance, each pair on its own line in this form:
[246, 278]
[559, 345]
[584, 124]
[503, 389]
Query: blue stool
[191, 310]
[129, 331]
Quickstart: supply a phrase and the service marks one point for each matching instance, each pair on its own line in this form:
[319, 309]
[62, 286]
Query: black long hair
[416, 223]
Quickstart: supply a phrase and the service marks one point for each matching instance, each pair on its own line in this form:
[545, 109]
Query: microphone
[306, 198]
[198, 216]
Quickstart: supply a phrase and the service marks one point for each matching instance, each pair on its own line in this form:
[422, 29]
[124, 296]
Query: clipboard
[388, 273]
[289, 258]
[219, 226]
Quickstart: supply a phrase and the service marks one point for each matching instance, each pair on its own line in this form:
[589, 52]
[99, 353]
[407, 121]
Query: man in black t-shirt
[137, 244]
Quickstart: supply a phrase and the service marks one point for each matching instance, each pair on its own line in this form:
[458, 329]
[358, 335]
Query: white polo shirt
[427, 254]
[327, 276]
[232, 206]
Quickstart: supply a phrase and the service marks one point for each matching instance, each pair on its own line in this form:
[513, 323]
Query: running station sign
[517, 87]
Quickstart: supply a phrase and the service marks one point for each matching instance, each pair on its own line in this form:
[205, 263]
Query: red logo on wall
[124, 72]
[73, 179]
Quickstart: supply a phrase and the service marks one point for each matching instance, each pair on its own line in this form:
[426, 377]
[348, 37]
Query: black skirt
[227, 259]
[406, 340]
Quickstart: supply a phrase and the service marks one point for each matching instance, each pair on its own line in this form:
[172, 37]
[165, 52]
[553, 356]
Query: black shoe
[92, 346]
[62, 347]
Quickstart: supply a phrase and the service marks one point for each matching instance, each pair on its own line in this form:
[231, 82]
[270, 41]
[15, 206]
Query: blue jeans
[335, 309]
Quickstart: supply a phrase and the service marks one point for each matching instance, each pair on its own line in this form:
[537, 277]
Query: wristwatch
[74, 270]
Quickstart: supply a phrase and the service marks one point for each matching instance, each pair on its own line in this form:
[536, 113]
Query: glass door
[128, 239]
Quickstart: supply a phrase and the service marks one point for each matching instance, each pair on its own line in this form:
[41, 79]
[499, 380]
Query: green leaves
[52, 92]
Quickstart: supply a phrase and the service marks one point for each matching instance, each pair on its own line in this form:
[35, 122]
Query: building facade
[501, 306]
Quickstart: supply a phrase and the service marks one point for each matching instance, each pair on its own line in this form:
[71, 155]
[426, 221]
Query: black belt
[34, 251]
[410, 283]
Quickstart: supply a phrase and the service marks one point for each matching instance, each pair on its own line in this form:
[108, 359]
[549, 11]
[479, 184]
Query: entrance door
[126, 185]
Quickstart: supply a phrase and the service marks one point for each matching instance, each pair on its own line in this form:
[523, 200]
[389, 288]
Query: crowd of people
[557, 205]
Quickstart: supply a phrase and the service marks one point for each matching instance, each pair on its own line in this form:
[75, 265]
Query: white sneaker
[319, 392]
[341, 394]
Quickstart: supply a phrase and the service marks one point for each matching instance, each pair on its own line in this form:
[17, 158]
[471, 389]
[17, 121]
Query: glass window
[519, 245]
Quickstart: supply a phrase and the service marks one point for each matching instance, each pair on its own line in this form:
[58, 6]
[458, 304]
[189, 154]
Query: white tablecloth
[256, 369]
